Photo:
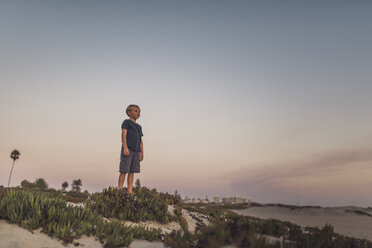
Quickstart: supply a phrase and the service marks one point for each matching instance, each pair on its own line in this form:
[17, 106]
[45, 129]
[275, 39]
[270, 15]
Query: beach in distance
[351, 221]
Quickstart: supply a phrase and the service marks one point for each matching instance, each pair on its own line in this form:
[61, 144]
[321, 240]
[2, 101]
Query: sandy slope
[14, 236]
[345, 220]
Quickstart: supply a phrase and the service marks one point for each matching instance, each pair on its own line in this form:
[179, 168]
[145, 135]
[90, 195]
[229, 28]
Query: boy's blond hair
[130, 107]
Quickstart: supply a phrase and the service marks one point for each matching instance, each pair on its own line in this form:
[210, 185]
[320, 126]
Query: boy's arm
[124, 138]
[141, 147]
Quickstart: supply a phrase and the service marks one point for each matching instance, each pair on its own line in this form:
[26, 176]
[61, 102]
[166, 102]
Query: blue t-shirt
[134, 133]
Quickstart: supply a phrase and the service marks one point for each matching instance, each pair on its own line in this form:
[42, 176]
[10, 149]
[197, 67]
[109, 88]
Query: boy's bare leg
[130, 182]
[121, 180]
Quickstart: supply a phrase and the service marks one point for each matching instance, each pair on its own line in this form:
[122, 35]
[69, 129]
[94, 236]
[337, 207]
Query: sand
[14, 236]
[344, 219]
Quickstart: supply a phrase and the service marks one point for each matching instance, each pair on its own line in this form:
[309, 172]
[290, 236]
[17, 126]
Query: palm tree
[14, 155]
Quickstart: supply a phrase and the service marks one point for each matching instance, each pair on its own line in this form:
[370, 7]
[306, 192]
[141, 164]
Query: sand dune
[350, 221]
[14, 236]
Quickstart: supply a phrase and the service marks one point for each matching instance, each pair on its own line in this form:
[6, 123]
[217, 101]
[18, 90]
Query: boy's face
[135, 113]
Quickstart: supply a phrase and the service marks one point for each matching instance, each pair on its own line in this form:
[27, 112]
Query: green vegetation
[70, 196]
[292, 207]
[177, 195]
[75, 197]
[138, 183]
[64, 185]
[76, 185]
[105, 212]
[148, 205]
[39, 183]
[222, 231]
[34, 210]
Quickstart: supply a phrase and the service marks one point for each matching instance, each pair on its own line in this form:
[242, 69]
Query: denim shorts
[131, 163]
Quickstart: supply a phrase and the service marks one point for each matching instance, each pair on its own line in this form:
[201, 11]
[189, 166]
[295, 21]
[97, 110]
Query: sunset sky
[269, 100]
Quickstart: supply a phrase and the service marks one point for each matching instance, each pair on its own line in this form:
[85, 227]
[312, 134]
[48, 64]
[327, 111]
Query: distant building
[205, 200]
[235, 199]
[216, 199]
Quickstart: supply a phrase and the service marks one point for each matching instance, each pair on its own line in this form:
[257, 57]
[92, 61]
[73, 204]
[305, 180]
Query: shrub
[146, 205]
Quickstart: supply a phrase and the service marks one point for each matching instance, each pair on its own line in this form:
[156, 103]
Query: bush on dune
[146, 205]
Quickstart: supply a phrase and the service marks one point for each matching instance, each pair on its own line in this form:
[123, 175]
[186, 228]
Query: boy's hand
[141, 156]
[126, 152]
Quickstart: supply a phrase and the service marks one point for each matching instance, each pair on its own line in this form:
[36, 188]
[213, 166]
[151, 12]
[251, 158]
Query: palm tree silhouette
[14, 155]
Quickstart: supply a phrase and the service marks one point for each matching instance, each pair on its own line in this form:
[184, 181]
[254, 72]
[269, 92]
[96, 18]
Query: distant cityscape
[218, 200]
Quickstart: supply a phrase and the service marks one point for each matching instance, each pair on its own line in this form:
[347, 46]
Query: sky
[269, 100]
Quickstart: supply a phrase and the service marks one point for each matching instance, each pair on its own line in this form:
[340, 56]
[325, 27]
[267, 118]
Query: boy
[132, 147]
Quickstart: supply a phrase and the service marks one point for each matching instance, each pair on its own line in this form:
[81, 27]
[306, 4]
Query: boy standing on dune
[132, 147]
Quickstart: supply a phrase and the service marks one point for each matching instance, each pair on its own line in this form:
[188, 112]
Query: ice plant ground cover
[145, 205]
[34, 210]
[103, 215]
